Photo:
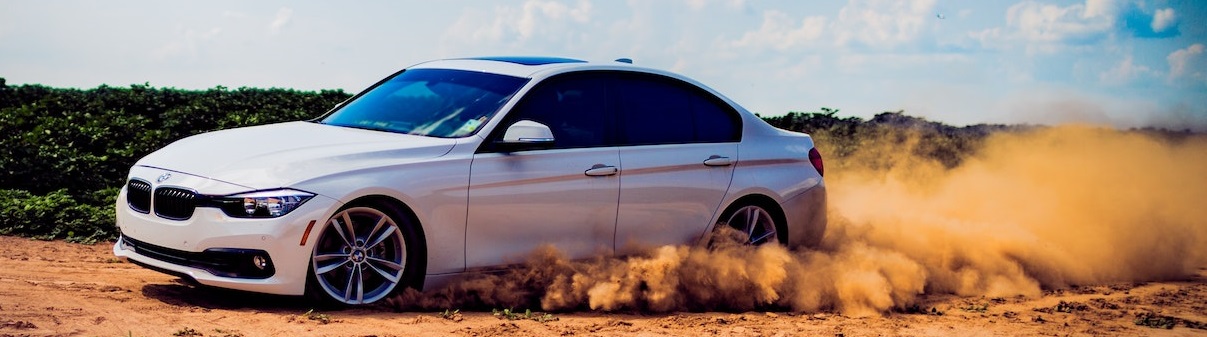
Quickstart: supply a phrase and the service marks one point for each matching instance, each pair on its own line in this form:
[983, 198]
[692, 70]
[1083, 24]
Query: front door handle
[716, 160]
[600, 170]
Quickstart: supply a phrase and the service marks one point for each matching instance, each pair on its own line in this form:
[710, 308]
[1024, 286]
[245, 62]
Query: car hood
[279, 155]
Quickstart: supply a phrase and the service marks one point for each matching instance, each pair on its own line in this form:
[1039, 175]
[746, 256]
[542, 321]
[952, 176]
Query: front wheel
[361, 256]
[756, 223]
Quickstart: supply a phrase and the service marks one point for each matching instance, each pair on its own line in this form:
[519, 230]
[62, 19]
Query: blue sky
[1124, 63]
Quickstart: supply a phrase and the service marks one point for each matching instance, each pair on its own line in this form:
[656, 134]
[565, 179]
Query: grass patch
[452, 315]
[187, 332]
[1155, 321]
[920, 310]
[976, 307]
[512, 315]
[321, 318]
[1070, 307]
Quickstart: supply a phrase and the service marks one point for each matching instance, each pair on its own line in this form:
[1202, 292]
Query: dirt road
[62, 289]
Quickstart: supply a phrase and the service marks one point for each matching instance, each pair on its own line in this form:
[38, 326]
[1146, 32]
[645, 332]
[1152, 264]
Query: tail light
[815, 158]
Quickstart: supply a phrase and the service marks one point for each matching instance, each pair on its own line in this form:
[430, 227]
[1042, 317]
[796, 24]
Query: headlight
[262, 204]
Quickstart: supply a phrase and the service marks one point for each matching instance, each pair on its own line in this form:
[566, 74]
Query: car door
[680, 147]
[564, 196]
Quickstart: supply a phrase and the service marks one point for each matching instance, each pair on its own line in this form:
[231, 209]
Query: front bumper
[224, 262]
[214, 249]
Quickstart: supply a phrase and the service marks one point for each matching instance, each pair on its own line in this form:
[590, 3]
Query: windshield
[429, 102]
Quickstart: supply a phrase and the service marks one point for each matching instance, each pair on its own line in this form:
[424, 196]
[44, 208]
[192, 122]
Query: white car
[458, 166]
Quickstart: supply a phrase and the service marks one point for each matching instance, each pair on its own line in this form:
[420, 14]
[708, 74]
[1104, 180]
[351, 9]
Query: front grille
[225, 262]
[138, 195]
[175, 203]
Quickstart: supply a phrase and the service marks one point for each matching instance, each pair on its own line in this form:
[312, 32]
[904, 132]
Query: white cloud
[535, 11]
[879, 24]
[882, 23]
[765, 55]
[284, 15]
[1101, 8]
[1046, 28]
[1123, 72]
[780, 32]
[532, 19]
[992, 38]
[700, 4]
[186, 44]
[1187, 62]
[1163, 19]
[1050, 24]
[233, 14]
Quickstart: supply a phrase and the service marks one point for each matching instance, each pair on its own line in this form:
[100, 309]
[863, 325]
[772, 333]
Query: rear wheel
[755, 222]
[362, 255]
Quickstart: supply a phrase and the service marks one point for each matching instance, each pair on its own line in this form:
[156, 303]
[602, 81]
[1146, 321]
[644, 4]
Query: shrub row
[58, 215]
[85, 140]
[883, 141]
[65, 152]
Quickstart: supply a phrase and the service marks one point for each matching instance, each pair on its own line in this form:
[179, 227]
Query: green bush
[853, 143]
[57, 215]
[86, 140]
[64, 153]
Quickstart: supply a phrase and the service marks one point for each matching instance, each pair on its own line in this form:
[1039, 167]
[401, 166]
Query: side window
[716, 121]
[574, 107]
[654, 112]
[658, 110]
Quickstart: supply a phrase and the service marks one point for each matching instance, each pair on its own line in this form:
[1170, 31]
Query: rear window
[658, 110]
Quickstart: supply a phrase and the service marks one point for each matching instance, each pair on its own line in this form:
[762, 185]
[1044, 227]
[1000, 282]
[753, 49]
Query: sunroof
[528, 60]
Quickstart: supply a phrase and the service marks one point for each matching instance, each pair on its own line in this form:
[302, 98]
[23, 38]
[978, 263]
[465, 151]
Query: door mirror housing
[526, 135]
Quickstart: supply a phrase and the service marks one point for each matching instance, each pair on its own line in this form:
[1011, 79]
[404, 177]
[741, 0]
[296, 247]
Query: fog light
[259, 261]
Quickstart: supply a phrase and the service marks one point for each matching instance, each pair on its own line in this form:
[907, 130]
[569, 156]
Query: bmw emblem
[163, 177]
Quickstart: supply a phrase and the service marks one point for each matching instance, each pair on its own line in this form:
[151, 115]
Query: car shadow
[185, 294]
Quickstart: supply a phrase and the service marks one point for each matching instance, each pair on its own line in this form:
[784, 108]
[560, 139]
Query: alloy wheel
[360, 256]
[756, 223]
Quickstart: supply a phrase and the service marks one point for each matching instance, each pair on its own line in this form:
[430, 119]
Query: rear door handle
[716, 160]
[600, 170]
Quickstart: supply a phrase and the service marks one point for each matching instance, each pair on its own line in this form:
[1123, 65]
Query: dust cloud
[1027, 211]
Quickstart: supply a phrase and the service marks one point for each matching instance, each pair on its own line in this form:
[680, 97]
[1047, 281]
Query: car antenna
[625, 60]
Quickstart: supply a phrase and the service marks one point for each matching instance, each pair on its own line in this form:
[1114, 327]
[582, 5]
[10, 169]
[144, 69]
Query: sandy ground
[62, 289]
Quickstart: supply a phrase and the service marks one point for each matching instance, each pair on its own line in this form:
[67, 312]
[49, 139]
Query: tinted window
[654, 112]
[574, 107]
[716, 121]
[430, 102]
[658, 110]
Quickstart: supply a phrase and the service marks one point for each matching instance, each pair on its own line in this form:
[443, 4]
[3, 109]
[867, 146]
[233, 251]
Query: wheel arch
[401, 210]
[758, 199]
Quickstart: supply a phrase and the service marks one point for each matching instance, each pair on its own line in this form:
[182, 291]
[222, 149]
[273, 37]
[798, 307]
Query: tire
[364, 254]
[758, 224]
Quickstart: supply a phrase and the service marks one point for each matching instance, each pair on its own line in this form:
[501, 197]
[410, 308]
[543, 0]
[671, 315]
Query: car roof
[539, 67]
[528, 60]
[526, 66]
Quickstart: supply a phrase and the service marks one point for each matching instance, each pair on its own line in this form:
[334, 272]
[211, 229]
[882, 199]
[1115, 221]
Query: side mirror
[526, 135]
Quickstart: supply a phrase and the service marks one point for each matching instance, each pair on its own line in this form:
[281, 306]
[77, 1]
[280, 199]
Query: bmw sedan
[458, 166]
